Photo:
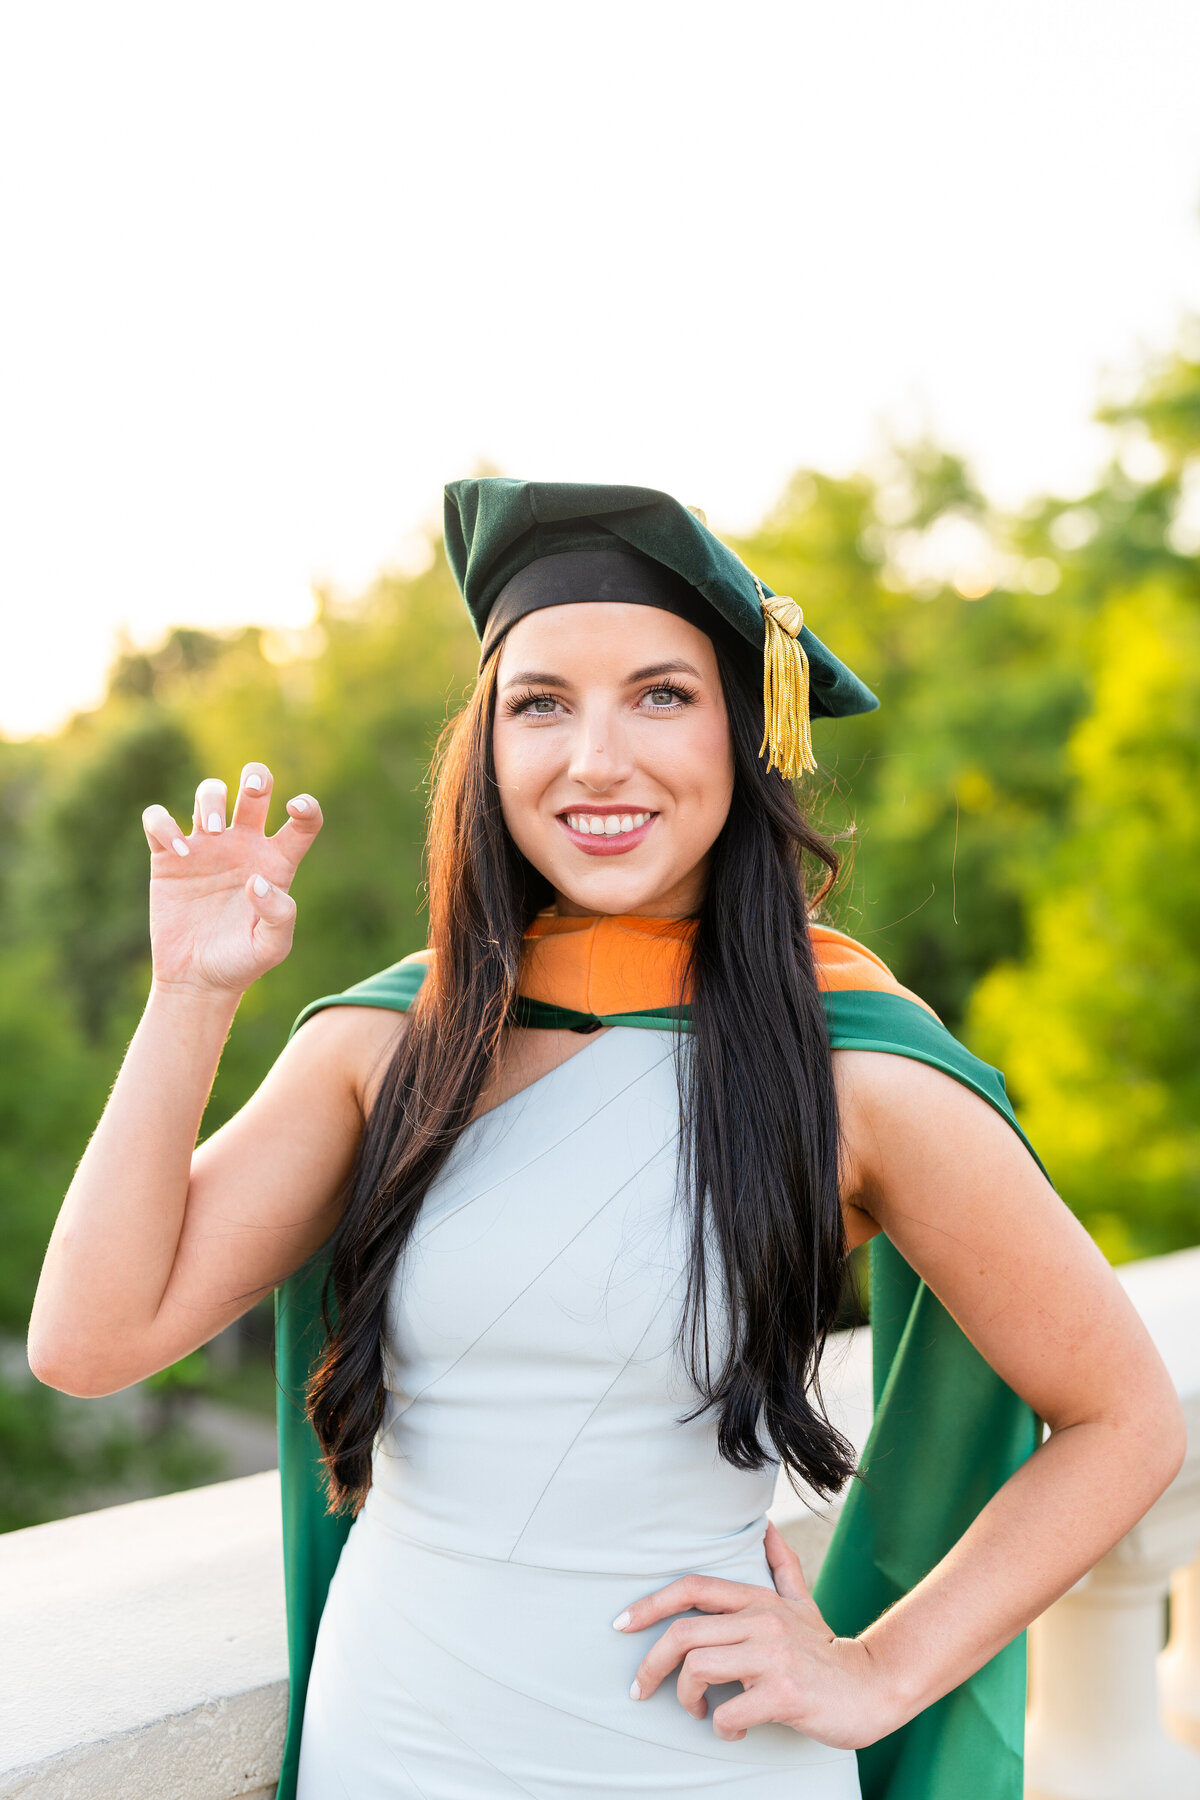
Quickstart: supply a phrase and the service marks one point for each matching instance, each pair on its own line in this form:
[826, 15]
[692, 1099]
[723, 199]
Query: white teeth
[606, 824]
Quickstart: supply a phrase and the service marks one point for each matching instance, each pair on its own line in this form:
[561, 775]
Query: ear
[786, 1571]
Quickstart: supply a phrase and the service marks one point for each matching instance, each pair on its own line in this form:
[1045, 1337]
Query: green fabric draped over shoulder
[947, 1433]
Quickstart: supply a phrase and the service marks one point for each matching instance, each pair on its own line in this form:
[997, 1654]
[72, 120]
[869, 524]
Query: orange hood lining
[622, 962]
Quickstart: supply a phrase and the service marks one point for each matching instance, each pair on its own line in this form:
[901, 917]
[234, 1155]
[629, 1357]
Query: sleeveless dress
[531, 1479]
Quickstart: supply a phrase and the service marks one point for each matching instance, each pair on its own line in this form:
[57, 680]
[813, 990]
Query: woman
[551, 1389]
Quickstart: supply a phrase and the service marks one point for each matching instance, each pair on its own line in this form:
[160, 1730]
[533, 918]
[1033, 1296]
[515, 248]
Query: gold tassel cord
[786, 716]
[786, 699]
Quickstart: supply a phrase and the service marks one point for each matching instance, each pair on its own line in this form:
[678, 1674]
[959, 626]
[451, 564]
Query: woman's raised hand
[220, 911]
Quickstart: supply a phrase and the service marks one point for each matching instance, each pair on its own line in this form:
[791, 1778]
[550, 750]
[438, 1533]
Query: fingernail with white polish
[300, 805]
[261, 886]
[253, 781]
[635, 1692]
[214, 821]
[178, 845]
[621, 1620]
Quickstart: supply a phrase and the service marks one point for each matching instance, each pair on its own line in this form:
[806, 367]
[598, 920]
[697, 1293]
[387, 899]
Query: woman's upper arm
[957, 1192]
[266, 1188]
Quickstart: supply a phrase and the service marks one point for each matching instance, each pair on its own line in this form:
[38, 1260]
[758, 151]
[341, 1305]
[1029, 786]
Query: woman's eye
[664, 696]
[542, 703]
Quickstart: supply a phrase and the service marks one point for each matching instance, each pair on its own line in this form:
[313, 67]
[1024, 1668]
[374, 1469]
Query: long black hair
[760, 1142]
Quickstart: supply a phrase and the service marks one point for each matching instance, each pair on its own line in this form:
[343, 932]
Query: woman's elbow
[1156, 1444]
[1171, 1441]
[84, 1378]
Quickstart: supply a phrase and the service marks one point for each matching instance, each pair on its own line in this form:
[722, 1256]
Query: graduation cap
[517, 546]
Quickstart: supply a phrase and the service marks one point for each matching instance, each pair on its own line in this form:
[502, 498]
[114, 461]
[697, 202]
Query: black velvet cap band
[568, 576]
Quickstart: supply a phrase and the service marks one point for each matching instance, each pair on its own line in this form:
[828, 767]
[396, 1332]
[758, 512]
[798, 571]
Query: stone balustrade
[1112, 1714]
[142, 1649]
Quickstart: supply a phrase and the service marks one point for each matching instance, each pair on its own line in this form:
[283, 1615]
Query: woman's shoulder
[389, 990]
[357, 1029]
[869, 1010]
[906, 1085]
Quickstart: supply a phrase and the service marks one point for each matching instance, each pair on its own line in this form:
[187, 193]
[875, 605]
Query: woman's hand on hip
[793, 1668]
[220, 911]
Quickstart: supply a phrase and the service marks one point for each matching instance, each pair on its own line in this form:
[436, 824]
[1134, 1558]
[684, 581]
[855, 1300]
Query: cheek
[699, 774]
[525, 765]
[710, 758]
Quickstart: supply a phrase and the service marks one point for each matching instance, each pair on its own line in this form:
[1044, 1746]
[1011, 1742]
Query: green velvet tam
[496, 526]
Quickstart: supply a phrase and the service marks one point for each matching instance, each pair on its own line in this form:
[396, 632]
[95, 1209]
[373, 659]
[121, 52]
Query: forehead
[602, 638]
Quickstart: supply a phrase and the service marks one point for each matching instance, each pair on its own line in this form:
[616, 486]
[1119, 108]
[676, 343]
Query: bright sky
[274, 273]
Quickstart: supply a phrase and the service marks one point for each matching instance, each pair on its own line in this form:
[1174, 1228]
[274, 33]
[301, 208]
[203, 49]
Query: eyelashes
[683, 693]
[523, 700]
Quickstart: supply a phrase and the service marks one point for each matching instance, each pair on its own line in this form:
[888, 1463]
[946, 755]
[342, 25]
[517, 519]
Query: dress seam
[419, 1237]
[534, 1279]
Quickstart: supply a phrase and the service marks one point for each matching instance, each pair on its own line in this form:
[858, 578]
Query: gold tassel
[786, 716]
[785, 689]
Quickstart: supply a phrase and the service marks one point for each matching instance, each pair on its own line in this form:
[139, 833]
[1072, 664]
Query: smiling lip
[596, 844]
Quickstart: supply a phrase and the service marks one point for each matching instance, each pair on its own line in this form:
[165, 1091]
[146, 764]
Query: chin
[610, 891]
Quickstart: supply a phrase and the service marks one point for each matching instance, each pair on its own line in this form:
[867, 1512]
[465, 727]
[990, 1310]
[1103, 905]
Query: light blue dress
[531, 1479]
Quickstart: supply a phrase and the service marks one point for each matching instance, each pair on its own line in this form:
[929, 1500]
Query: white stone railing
[142, 1651]
[1112, 1716]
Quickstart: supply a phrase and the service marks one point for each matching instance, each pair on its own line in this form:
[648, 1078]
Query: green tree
[93, 886]
[1099, 1024]
[951, 794]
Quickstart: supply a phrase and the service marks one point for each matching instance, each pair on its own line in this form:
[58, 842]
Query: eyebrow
[676, 666]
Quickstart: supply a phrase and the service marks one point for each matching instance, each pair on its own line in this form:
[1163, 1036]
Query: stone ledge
[227, 1749]
[143, 1649]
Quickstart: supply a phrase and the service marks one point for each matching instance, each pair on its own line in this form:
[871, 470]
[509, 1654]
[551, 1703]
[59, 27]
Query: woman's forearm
[114, 1244]
[1079, 1493]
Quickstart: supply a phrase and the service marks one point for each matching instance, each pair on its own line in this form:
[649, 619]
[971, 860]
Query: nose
[600, 757]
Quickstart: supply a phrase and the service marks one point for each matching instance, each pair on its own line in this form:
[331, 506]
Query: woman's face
[613, 755]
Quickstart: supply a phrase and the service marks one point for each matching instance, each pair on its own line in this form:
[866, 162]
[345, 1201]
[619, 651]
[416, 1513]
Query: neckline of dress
[591, 1044]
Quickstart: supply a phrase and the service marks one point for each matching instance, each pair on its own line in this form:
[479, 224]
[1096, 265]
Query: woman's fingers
[276, 913]
[786, 1570]
[251, 806]
[296, 834]
[253, 796]
[704, 1668]
[162, 833]
[209, 812]
[682, 1642]
[707, 1593]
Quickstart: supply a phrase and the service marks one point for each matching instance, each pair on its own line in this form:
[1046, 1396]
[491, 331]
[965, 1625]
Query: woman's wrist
[900, 1688]
[193, 999]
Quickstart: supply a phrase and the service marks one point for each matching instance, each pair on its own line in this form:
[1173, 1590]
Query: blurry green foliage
[58, 1457]
[92, 886]
[1098, 1024]
[1019, 822]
